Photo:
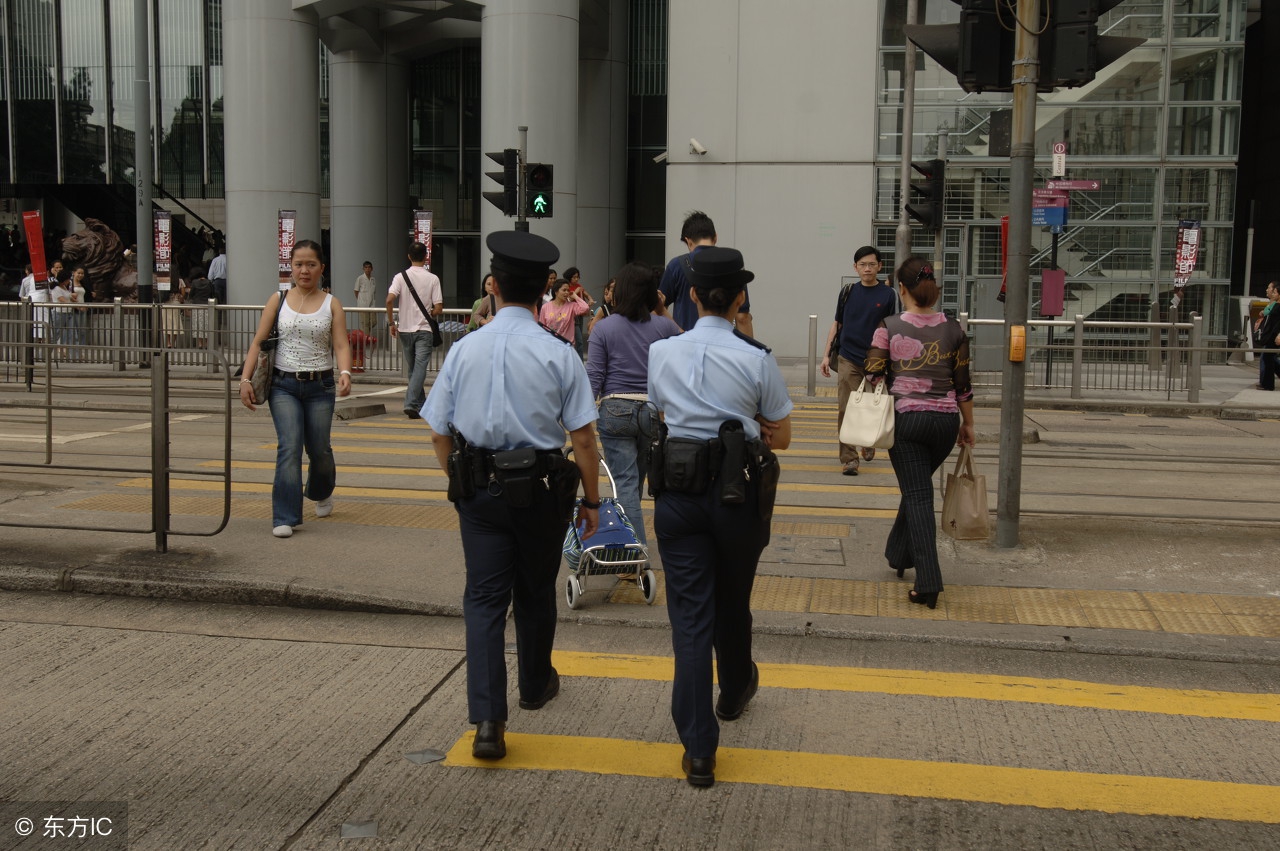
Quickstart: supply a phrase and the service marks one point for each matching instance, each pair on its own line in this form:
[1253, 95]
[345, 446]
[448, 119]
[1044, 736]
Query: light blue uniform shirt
[707, 375]
[509, 385]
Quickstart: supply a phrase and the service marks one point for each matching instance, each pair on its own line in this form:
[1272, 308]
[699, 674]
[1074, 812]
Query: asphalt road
[262, 728]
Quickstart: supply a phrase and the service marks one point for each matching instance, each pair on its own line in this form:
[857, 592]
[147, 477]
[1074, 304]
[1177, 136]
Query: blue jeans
[416, 346]
[303, 415]
[626, 430]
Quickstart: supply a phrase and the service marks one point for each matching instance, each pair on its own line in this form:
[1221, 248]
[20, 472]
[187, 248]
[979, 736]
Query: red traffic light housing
[930, 211]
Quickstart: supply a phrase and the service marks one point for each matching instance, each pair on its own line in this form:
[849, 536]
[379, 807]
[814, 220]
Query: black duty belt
[312, 375]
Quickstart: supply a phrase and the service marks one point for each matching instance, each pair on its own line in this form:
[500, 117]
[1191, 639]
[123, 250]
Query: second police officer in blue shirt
[714, 480]
[499, 410]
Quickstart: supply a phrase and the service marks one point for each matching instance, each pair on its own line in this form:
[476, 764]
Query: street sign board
[1049, 198]
[1059, 159]
[1048, 216]
[1074, 184]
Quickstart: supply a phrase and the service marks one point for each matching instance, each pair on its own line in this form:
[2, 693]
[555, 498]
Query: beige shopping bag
[964, 502]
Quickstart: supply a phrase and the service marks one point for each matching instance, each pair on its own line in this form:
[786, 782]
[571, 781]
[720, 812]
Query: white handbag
[868, 418]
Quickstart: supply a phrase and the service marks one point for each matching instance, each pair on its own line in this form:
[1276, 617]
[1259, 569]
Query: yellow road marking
[989, 784]
[1055, 692]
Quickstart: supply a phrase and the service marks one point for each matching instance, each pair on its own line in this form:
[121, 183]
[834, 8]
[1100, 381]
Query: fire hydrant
[359, 341]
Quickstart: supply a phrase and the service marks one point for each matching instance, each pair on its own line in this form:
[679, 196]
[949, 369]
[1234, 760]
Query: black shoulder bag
[437, 340]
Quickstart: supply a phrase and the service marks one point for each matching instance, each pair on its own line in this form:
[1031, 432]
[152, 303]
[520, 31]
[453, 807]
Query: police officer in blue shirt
[498, 412]
[714, 476]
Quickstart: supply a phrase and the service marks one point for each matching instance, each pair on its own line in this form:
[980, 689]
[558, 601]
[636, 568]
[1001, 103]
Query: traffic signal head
[980, 49]
[506, 200]
[539, 196]
[929, 211]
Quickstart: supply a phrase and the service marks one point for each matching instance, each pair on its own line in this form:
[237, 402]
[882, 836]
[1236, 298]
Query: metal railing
[1078, 356]
[38, 359]
[207, 336]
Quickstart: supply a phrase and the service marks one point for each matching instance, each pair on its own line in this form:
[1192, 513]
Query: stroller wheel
[573, 592]
[649, 585]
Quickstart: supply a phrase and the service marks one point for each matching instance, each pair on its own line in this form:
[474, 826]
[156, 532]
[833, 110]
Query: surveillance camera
[660, 158]
[696, 147]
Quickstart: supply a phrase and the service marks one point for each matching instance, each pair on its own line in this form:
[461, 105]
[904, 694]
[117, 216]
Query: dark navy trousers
[709, 553]
[922, 440]
[512, 556]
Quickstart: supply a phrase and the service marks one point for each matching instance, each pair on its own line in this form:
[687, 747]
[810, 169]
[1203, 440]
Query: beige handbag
[964, 502]
[868, 418]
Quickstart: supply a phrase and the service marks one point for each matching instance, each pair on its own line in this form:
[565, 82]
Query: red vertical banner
[1186, 253]
[422, 223]
[34, 227]
[163, 221]
[285, 237]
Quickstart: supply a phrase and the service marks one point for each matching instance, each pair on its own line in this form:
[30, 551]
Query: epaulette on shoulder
[564, 340]
[752, 341]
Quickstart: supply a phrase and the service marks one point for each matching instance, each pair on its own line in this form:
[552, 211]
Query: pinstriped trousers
[922, 440]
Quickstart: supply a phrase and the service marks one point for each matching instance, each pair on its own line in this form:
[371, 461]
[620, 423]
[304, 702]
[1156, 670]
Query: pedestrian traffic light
[539, 197]
[930, 212]
[508, 199]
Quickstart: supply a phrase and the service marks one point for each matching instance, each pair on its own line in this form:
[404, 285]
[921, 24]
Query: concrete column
[602, 151]
[529, 76]
[272, 85]
[368, 167]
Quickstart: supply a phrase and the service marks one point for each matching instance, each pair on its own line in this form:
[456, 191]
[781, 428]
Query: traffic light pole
[521, 222]
[902, 237]
[1021, 175]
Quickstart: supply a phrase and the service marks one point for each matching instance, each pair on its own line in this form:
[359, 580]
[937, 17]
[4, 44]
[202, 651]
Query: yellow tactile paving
[1248, 605]
[1161, 601]
[1105, 618]
[1259, 626]
[1217, 614]
[841, 597]
[1201, 623]
[781, 593]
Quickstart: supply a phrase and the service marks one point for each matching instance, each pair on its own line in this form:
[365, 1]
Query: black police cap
[718, 268]
[520, 253]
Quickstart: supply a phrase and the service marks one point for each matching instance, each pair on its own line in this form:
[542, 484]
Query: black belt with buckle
[313, 375]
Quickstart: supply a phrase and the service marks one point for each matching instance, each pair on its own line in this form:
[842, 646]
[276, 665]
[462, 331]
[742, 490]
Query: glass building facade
[1159, 129]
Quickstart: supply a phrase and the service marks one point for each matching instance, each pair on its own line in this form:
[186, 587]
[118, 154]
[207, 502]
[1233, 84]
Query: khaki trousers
[850, 376]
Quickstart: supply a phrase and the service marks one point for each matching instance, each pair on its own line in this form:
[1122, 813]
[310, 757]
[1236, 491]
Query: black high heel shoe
[929, 599]
[900, 570]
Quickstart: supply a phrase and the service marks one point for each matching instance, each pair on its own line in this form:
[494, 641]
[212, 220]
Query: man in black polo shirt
[860, 309]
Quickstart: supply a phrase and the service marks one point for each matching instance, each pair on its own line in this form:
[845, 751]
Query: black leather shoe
[700, 771]
[727, 711]
[491, 742]
[552, 689]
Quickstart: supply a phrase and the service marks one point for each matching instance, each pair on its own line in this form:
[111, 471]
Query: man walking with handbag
[860, 309]
[414, 289]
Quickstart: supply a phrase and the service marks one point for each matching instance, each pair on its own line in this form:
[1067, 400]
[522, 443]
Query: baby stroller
[612, 555]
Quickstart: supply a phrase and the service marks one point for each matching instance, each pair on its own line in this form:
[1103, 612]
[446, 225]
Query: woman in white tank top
[312, 339]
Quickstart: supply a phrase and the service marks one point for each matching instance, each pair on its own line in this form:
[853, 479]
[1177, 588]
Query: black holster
[657, 461]
[763, 464]
[461, 467]
[731, 449]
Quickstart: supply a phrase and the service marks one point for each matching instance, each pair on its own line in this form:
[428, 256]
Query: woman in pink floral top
[559, 313]
[926, 357]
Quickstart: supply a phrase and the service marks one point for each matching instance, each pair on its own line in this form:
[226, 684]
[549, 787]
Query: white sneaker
[324, 507]
[282, 531]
